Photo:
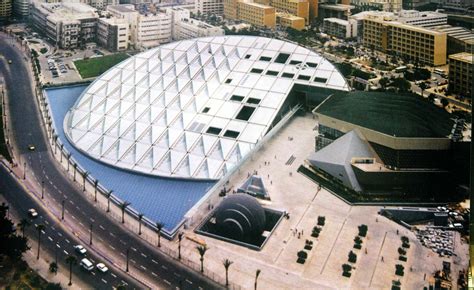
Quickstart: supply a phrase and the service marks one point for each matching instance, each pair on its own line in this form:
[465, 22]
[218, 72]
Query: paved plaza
[290, 191]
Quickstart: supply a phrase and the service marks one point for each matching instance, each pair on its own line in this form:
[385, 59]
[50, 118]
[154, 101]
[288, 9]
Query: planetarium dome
[193, 108]
[240, 216]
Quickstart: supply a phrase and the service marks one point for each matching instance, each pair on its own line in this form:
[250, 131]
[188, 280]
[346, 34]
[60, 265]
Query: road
[26, 127]
[57, 241]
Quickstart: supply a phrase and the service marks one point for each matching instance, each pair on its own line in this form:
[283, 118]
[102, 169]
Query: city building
[415, 4]
[340, 11]
[298, 8]
[382, 5]
[153, 29]
[290, 20]
[184, 27]
[422, 18]
[5, 9]
[340, 28]
[460, 74]
[460, 39]
[257, 14]
[21, 8]
[113, 34]
[68, 25]
[206, 7]
[100, 4]
[391, 149]
[416, 44]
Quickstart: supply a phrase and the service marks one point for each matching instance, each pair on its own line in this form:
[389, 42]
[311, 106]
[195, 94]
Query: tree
[40, 229]
[11, 244]
[159, 227]
[257, 273]
[423, 86]
[363, 230]
[352, 257]
[84, 178]
[444, 102]
[384, 82]
[96, 183]
[123, 207]
[140, 217]
[71, 260]
[74, 166]
[227, 264]
[401, 84]
[180, 237]
[24, 223]
[108, 195]
[202, 251]
[53, 268]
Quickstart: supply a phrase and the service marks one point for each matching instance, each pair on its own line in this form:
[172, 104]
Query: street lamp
[24, 170]
[62, 211]
[42, 189]
[128, 251]
[90, 234]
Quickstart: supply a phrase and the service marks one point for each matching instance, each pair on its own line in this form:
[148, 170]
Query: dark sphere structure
[240, 217]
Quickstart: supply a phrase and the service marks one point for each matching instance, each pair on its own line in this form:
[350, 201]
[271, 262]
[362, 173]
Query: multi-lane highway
[26, 128]
[57, 241]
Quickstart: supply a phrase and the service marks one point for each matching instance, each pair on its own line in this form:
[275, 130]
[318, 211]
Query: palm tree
[159, 227]
[84, 178]
[202, 251]
[55, 138]
[74, 166]
[53, 268]
[24, 223]
[227, 264]
[124, 206]
[256, 277]
[71, 260]
[108, 195]
[423, 86]
[96, 183]
[180, 237]
[140, 217]
[68, 161]
[61, 151]
[40, 229]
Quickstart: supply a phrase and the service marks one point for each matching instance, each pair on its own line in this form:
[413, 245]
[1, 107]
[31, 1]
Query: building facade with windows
[290, 20]
[257, 14]
[5, 10]
[340, 28]
[113, 34]
[460, 74]
[206, 7]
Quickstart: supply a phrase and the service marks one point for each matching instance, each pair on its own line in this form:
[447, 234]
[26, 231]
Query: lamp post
[42, 189]
[62, 210]
[128, 251]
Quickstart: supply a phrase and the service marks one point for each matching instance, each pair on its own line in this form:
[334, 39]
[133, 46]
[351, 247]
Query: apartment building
[460, 74]
[422, 18]
[68, 25]
[21, 8]
[298, 8]
[210, 7]
[383, 5]
[340, 28]
[113, 34]
[100, 4]
[460, 39]
[257, 14]
[184, 27]
[153, 29]
[5, 9]
[290, 20]
[231, 9]
[416, 44]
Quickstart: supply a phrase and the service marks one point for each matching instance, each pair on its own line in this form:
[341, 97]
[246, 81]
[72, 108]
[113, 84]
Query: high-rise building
[298, 8]
[215, 7]
[113, 33]
[5, 10]
[340, 28]
[460, 74]
[184, 27]
[257, 14]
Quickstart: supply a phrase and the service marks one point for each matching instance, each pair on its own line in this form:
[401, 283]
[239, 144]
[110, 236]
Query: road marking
[101, 239]
[112, 235]
[104, 281]
[53, 228]
[133, 249]
[65, 252]
[154, 261]
[153, 273]
[71, 202]
[143, 267]
[46, 222]
[73, 217]
[43, 232]
[176, 274]
[81, 224]
[100, 226]
[133, 261]
[93, 273]
[111, 247]
[167, 282]
[124, 283]
[113, 275]
[67, 241]
[58, 246]
[59, 234]
[67, 211]
[189, 281]
[123, 242]
[144, 255]
[164, 267]
[77, 207]
[92, 220]
[49, 238]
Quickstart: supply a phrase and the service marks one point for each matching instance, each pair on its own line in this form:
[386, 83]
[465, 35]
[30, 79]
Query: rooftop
[463, 56]
[337, 20]
[389, 113]
[122, 8]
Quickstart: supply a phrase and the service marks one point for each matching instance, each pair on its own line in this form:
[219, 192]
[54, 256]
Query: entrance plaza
[290, 191]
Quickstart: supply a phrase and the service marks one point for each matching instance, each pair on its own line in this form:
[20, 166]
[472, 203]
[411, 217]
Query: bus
[440, 72]
[401, 69]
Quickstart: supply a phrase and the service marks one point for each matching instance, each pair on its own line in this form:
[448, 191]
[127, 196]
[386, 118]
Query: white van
[87, 265]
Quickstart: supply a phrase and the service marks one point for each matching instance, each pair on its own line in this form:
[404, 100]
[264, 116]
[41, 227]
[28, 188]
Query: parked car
[86, 264]
[80, 249]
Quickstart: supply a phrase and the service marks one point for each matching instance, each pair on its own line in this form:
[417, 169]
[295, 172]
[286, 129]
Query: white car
[80, 249]
[32, 213]
[102, 268]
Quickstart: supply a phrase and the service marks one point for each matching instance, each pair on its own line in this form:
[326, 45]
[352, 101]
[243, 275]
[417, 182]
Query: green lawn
[93, 67]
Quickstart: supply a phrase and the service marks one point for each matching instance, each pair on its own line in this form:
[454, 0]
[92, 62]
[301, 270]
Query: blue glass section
[160, 199]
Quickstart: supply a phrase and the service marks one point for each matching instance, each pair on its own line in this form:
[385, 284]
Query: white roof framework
[193, 108]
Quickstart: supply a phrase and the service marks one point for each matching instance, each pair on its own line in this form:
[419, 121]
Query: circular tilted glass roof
[192, 108]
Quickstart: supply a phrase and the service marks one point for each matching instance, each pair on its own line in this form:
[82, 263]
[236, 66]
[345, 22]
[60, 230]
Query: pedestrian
[302, 232]
[271, 182]
[291, 174]
[382, 258]
[397, 232]
[366, 251]
[424, 277]
[268, 175]
[299, 235]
